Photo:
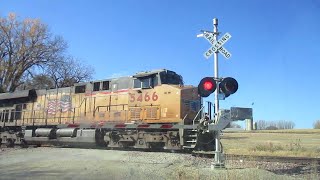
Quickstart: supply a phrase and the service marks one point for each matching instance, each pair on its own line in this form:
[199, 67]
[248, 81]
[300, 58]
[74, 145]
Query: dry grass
[183, 173]
[292, 143]
[286, 131]
[295, 143]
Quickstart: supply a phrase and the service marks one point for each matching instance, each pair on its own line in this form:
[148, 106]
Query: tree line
[272, 125]
[32, 57]
[262, 124]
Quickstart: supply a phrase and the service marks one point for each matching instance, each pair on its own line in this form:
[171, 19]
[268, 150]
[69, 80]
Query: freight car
[150, 109]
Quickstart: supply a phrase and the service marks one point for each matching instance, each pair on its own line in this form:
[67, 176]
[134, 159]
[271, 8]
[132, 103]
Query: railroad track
[298, 160]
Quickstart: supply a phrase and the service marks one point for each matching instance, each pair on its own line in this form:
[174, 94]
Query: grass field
[293, 143]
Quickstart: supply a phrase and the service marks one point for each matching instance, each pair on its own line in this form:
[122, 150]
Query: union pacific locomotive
[147, 110]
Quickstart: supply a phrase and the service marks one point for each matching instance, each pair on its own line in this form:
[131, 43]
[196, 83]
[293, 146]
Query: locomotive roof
[137, 75]
[25, 93]
[20, 94]
[147, 73]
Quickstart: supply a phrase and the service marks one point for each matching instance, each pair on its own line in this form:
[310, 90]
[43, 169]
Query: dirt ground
[71, 163]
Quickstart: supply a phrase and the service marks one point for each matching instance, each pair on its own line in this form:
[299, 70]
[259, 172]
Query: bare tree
[281, 124]
[316, 124]
[261, 124]
[291, 125]
[63, 73]
[287, 125]
[40, 81]
[23, 45]
[68, 71]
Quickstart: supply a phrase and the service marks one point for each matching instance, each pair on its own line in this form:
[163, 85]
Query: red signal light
[206, 86]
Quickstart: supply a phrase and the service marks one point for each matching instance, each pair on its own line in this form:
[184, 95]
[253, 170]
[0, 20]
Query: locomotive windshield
[170, 77]
[146, 82]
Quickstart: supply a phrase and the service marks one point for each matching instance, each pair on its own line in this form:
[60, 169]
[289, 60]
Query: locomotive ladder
[190, 139]
[190, 135]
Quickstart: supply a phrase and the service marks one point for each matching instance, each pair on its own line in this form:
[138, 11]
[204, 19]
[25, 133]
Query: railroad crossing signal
[228, 85]
[208, 85]
[217, 45]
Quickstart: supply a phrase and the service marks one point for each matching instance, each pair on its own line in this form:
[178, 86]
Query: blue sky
[274, 45]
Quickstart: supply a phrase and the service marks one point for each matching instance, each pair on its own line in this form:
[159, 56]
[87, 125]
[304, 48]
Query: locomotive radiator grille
[135, 113]
[152, 113]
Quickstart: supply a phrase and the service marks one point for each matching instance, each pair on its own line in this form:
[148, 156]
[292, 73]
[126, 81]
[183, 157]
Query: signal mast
[223, 86]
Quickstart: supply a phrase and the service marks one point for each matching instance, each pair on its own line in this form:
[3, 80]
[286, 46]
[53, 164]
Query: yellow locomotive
[140, 111]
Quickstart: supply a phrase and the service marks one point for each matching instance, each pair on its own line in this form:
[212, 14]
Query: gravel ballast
[71, 163]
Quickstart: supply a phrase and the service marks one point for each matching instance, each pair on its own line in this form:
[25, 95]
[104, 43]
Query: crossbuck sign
[217, 45]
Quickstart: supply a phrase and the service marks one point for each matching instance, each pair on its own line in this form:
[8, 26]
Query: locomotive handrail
[81, 102]
[197, 115]
[108, 107]
[184, 118]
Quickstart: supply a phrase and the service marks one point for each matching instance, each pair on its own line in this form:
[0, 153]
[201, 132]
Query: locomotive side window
[6, 115]
[155, 81]
[136, 83]
[18, 111]
[145, 83]
[12, 113]
[105, 85]
[80, 89]
[96, 86]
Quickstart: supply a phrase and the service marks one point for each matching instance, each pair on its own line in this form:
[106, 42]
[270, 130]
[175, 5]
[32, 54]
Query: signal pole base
[219, 166]
[218, 160]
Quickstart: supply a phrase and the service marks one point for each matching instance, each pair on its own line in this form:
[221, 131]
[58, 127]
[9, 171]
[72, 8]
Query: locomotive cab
[151, 79]
[167, 92]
